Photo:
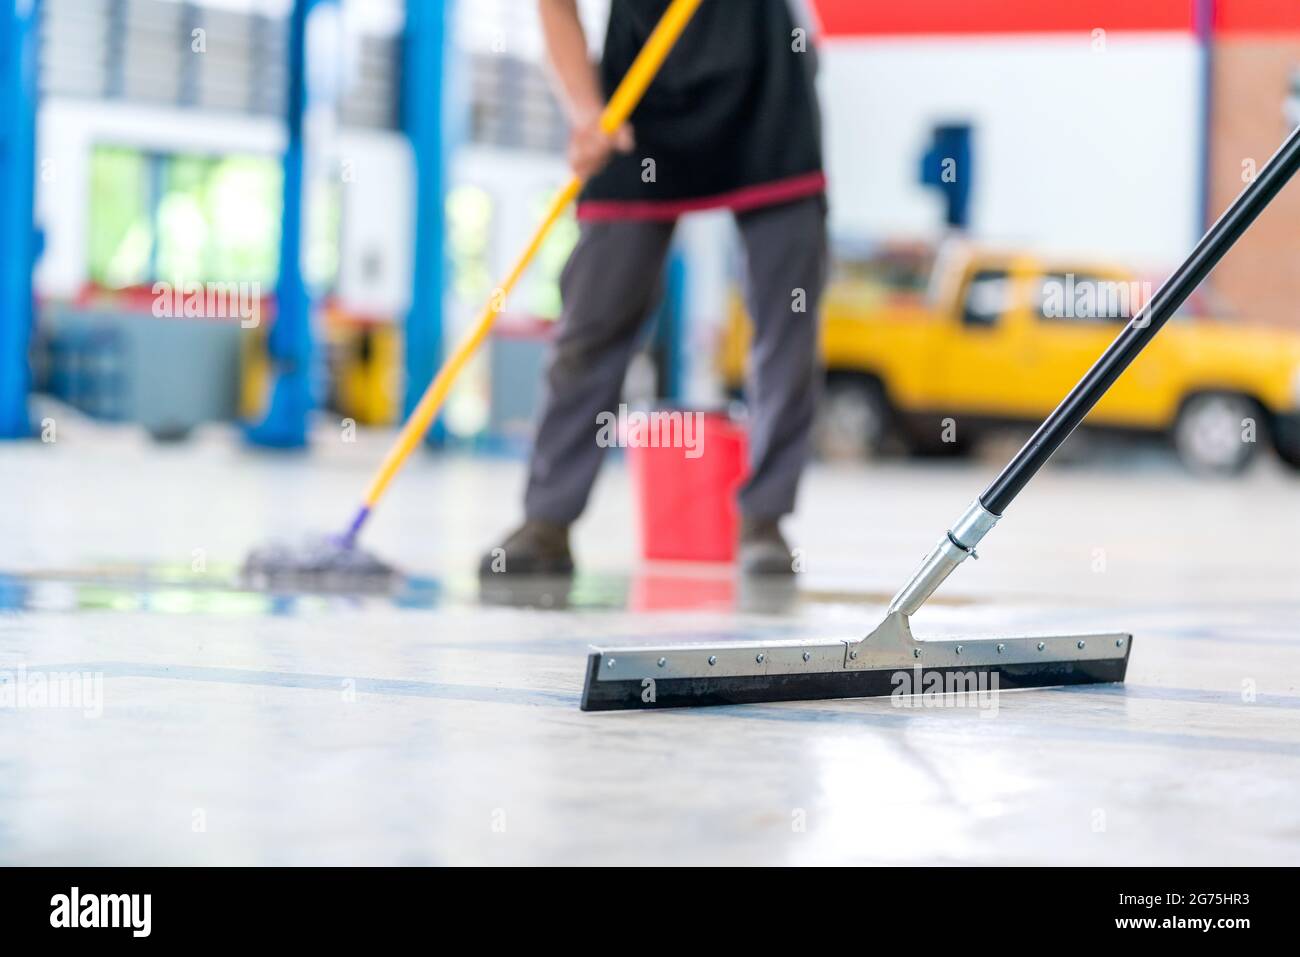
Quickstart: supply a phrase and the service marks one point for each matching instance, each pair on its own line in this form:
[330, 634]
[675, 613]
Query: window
[988, 296]
[192, 218]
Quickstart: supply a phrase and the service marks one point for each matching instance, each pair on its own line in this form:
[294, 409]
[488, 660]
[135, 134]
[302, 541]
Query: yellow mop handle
[616, 113]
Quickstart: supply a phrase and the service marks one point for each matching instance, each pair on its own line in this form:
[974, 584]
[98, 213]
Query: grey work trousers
[609, 286]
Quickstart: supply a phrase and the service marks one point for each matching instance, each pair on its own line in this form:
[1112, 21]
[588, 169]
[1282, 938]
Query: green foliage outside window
[189, 218]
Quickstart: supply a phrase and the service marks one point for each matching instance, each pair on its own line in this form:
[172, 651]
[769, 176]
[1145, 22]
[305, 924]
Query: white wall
[378, 229]
[1076, 151]
[513, 26]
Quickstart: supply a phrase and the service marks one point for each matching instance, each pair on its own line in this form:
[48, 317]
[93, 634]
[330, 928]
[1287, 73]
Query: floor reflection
[171, 589]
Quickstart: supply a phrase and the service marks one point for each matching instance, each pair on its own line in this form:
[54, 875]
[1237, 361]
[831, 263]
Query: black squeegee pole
[1143, 327]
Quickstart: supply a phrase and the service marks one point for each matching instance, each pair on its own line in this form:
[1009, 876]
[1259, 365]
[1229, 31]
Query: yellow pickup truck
[931, 351]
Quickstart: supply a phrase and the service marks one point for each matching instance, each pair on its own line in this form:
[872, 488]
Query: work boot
[763, 549]
[535, 548]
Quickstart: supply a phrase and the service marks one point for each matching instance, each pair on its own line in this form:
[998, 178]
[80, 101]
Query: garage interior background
[161, 138]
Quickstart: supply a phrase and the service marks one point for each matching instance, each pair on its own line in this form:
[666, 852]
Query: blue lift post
[19, 33]
[423, 103]
[670, 333]
[289, 343]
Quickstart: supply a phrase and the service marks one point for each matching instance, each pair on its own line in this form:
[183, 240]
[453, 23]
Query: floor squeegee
[673, 676]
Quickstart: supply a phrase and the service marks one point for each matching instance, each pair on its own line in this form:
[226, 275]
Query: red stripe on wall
[1257, 16]
[845, 18]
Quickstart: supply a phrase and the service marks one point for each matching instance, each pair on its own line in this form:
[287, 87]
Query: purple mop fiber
[330, 562]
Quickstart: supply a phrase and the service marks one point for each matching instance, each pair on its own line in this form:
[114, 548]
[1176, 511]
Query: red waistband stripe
[748, 197]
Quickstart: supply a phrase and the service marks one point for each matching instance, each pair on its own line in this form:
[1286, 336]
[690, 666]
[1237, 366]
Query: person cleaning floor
[731, 121]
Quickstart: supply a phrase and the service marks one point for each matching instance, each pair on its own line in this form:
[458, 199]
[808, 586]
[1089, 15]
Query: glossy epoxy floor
[432, 727]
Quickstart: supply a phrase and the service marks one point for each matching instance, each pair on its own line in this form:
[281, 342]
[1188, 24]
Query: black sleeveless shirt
[731, 120]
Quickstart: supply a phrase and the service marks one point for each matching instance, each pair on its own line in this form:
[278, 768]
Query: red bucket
[687, 493]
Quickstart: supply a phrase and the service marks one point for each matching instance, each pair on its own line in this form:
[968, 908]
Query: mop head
[317, 563]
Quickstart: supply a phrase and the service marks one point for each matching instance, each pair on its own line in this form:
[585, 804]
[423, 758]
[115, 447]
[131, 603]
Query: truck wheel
[852, 420]
[1286, 440]
[1209, 433]
[928, 437]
